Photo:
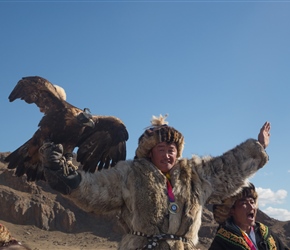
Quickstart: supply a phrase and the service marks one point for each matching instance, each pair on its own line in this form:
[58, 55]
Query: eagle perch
[101, 140]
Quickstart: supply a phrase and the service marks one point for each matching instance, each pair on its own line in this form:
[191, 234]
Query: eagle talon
[70, 164]
[69, 168]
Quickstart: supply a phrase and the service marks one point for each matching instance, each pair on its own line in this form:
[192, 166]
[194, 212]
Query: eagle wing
[35, 89]
[104, 145]
[99, 146]
[26, 163]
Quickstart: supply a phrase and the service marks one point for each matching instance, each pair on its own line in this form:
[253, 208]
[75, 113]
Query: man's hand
[264, 135]
[52, 156]
[57, 171]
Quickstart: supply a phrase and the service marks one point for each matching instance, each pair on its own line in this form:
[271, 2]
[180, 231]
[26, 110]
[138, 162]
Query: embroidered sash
[248, 240]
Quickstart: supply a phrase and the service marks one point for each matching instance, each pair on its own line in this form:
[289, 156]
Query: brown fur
[7, 242]
[5, 235]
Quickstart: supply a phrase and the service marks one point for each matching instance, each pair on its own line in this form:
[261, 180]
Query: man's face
[244, 213]
[163, 156]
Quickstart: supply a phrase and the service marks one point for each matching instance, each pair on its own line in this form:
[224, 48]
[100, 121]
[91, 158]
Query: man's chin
[251, 222]
[165, 168]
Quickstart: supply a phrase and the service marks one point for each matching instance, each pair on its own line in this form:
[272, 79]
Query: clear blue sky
[220, 69]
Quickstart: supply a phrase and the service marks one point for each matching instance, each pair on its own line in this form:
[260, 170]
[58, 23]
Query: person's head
[163, 155]
[161, 144]
[5, 236]
[7, 242]
[242, 208]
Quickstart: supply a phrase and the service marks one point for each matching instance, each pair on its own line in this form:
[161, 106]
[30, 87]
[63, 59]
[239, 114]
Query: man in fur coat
[238, 228]
[159, 196]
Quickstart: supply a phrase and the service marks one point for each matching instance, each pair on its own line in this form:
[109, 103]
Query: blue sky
[220, 69]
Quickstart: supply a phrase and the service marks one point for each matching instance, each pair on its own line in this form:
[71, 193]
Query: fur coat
[136, 191]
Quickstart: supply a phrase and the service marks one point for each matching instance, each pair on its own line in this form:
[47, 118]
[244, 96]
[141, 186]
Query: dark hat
[159, 132]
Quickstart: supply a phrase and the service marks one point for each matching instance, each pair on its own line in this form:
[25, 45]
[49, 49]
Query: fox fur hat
[5, 235]
[158, 132]
[221, 212]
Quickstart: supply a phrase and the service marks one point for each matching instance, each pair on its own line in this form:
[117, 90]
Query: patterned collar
[231, 233]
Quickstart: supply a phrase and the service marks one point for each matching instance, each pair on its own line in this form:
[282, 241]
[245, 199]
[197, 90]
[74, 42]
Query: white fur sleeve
[226, 174]
[101, 192]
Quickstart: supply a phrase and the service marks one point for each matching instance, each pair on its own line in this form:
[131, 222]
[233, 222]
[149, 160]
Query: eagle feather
[101, 140]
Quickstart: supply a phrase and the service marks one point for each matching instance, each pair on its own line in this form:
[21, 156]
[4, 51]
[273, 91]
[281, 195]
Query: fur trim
[221, 212]
[159, 121]
[5, 235]
[159, 132]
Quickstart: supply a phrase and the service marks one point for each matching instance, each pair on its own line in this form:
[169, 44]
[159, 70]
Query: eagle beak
[90, 123]
[85, 119]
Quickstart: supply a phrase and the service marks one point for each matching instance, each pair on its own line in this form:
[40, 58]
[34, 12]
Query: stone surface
[23, 203]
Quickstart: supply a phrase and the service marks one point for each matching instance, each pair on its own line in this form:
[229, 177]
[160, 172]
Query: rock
[36, 204]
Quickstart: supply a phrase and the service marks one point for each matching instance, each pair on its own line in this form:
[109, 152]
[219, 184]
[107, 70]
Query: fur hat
[5, 235]
[158, 132]
[221, 212]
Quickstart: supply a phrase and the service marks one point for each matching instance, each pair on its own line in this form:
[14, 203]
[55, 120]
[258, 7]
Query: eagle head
[85, 118]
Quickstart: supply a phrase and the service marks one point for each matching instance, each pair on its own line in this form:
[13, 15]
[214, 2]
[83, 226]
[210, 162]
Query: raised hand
[264, 135]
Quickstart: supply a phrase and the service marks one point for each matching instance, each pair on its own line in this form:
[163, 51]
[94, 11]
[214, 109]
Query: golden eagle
[101, 140]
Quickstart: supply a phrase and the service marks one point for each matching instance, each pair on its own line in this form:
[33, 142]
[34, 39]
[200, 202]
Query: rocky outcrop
[28, 203]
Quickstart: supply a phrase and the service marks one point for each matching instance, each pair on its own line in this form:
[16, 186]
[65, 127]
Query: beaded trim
[154, 239]
[233, 238]
[270, 240]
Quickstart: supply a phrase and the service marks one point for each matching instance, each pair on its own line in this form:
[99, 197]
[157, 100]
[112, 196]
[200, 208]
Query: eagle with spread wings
[101, 140]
